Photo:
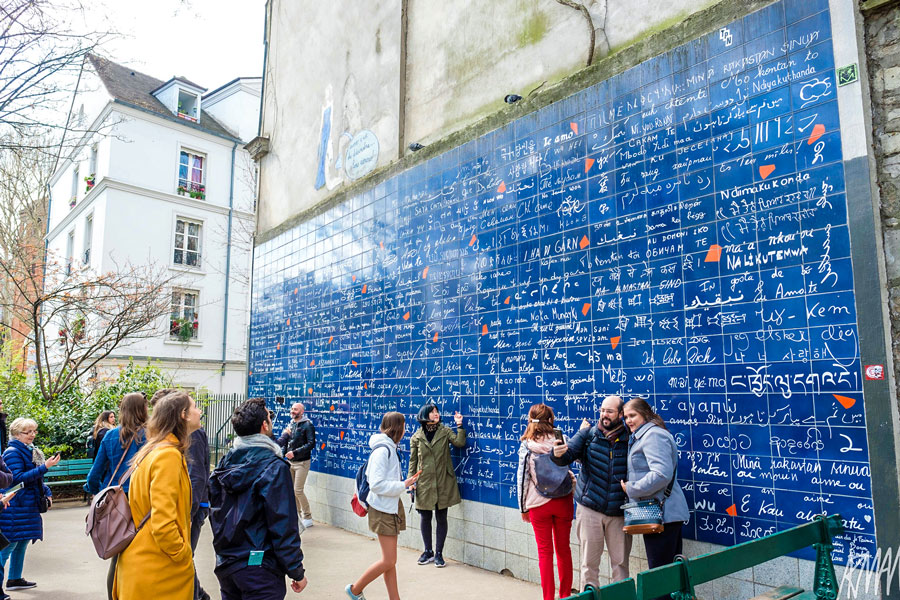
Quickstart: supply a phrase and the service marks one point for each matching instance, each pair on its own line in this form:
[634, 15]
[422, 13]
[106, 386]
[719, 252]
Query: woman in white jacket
[386, 515]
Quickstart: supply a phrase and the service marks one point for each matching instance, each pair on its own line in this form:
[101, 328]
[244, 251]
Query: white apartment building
[164, 179]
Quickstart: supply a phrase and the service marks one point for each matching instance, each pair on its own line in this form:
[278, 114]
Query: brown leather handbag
[108, 522]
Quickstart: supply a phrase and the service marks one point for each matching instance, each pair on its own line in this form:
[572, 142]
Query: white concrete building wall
[231, 103]
[135, 205]
[145, 150]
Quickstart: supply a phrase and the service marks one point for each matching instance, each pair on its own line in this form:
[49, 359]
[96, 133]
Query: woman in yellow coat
[158, 562]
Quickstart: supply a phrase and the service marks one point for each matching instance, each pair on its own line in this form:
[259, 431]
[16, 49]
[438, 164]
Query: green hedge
[65, 422]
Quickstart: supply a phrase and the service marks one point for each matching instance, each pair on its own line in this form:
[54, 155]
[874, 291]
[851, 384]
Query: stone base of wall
[495, 538]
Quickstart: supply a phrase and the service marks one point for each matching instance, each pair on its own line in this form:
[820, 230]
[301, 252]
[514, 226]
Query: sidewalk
[66, 567]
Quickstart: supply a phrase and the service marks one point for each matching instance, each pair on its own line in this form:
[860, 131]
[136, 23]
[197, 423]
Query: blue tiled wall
[677, 232]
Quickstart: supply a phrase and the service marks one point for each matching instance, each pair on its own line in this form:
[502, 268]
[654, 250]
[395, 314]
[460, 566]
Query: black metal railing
[217, 411]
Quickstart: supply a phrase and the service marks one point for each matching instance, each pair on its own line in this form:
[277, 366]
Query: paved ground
[66, 568]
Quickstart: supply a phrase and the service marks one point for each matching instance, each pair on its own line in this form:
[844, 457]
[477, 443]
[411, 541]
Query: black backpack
[358, 502]
[89, 444]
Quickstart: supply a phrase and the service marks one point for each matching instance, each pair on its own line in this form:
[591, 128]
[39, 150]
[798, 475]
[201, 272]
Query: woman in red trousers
[551, 518]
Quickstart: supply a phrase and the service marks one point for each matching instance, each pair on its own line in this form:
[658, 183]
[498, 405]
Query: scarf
[612, 434]
[37, 457]
[430, 429]
[257, 440]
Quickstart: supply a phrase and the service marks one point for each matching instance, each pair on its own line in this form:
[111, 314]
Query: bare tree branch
[41, 56]
[70, 317]
[590, 21]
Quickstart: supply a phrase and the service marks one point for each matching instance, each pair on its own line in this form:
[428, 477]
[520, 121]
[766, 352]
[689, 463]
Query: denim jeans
[15, 553]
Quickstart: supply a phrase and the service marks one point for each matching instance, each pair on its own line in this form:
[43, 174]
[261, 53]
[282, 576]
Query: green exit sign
[848, 74]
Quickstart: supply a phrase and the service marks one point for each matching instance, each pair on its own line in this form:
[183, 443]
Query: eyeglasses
[608, 411]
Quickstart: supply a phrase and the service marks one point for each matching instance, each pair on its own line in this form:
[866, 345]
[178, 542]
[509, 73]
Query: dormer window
[188, 105]
[181, 97]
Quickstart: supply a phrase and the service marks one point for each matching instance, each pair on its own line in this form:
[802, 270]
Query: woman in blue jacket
[652, 473]
[125, 439]
[21, 521]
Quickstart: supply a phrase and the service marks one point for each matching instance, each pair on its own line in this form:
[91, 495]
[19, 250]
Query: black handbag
[43, 501]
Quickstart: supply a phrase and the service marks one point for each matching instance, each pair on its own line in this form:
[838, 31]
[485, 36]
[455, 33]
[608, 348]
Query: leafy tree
[65, 421]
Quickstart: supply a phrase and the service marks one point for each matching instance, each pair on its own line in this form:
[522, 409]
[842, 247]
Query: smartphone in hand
[559, 434]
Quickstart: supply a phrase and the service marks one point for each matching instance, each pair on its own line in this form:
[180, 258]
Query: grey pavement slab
[65, 567]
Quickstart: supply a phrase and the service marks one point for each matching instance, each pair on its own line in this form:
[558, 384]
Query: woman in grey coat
[652, 459]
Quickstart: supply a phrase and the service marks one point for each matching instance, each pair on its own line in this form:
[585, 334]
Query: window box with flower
[194, 190]
[73, 201]
[89, 182]
[184, 330]
[77, 330]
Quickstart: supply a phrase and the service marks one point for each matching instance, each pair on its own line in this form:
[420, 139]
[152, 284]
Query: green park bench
[680, 577]
[69, 472]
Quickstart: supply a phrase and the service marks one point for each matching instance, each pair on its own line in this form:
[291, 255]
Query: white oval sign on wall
[362, 154]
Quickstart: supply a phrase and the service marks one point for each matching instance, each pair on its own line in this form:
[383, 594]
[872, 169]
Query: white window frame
[187, 182]
[95, 151]
[181, 311]
[190, 116]
[70, 250]
[184, 242]
[88, 239]
[76, 175]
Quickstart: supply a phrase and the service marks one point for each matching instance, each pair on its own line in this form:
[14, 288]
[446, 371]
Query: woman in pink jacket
[551, 518]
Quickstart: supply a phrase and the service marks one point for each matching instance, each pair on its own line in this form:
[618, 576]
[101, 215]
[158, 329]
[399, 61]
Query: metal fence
[217, 411]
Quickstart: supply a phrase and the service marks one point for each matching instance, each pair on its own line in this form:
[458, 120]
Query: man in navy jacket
[603, 452]
[253, 513]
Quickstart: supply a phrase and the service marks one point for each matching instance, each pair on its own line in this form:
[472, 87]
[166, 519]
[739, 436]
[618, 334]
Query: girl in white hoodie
[386, 515]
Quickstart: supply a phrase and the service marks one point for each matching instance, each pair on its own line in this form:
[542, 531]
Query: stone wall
[882, 29]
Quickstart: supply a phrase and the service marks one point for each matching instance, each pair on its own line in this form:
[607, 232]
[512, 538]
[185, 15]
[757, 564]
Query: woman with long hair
[551, 518]
[386, 515]
[21, 521]
[437, 488]
[652, 473]
[120, 444]
[105, 421]
[159, 558]
[125, 439]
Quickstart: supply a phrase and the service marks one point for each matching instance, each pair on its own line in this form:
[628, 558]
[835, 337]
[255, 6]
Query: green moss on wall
[667, 24]
[533, 29]
[681, 28]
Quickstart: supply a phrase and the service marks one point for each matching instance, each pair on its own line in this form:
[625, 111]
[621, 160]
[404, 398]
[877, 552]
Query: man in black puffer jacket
[253, 514]
[298, 441]
[603, 452]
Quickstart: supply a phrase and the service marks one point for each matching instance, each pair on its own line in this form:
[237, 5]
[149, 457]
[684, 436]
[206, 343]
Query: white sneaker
[307, 523]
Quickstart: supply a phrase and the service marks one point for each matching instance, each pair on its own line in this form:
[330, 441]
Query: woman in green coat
[437, 489]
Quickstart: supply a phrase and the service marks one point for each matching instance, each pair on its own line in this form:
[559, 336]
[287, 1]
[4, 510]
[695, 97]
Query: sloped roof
[134, 88]
[182, 80]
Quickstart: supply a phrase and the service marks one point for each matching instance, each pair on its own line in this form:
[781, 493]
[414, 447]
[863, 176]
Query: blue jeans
[15, 552]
